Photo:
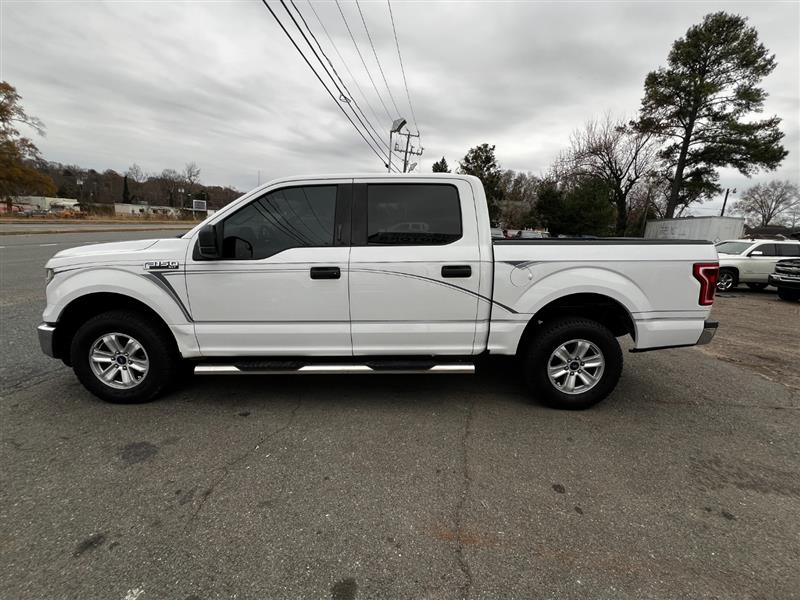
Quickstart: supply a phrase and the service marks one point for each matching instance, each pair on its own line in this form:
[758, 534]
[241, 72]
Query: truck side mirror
[207, 243]
[756, 253]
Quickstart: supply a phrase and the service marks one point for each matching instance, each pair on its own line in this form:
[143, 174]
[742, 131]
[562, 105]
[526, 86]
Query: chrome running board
[339, 369]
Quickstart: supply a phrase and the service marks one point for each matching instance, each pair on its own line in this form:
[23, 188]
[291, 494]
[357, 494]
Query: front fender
[164, 295]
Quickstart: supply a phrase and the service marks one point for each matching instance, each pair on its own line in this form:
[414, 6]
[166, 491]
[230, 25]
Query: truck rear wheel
[572, 363]
[121, 356]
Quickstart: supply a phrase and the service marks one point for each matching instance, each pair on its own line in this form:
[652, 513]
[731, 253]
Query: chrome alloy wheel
[724, 281]
[118, 360]
[576, 366]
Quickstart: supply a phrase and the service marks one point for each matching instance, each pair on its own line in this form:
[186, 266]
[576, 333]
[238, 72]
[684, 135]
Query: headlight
[48, 275]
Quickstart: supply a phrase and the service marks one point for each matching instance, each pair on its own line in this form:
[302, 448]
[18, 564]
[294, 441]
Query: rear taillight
[706, 274]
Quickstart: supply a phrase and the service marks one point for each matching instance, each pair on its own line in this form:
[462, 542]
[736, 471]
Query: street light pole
[397, 125]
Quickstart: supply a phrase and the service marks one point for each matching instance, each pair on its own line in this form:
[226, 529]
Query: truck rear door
[414, 267]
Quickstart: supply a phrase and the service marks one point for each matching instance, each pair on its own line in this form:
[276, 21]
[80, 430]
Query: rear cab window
[412, 214]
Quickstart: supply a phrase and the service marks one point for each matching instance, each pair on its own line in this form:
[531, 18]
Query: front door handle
[456, 271]
[325, 273]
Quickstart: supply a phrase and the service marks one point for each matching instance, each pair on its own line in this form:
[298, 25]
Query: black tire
[757, 286]
[548, 339]
[788, 295]
[727, 280]
[162, 356]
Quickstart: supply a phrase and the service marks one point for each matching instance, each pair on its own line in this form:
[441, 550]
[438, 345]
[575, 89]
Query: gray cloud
[164, 83]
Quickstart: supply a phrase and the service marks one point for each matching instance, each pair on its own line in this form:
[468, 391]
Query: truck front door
[280, 287]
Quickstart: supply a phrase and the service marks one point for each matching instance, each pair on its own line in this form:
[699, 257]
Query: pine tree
[481, 162]
[126, 194]
[699, 105]
[441, 166]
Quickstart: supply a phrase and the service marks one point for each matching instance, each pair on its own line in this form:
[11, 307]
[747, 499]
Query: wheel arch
[603, 309]
[82, 308]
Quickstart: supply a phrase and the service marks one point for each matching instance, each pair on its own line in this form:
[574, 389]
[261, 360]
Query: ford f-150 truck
[370, 274]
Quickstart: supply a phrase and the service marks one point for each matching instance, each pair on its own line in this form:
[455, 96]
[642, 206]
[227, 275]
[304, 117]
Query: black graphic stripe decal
[438, 282]
[161, 281]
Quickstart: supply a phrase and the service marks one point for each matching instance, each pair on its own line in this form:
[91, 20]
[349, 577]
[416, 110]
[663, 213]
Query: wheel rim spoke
[562, 354]
[569, 384]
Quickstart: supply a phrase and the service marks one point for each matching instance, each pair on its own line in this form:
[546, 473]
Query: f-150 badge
[161, 264]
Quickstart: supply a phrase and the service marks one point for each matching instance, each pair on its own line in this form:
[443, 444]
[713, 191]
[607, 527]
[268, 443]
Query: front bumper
[791, 283]
[47, 334]
[709, 331]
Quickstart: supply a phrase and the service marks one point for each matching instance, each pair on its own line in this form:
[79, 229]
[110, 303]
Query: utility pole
[409, 149]
[725, 202]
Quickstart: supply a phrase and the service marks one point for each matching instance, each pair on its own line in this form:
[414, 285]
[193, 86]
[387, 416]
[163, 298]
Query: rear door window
[766, 250]
[413, 214]
[789, 249]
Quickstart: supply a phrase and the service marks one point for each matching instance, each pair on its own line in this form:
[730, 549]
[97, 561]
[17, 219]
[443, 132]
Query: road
[87, 226]
[684, 484]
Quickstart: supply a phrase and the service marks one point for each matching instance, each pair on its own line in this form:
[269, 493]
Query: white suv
[751, 261]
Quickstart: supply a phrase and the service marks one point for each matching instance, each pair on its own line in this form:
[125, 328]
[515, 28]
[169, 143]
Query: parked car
[787, 279]
[751, 261]
[306, 276]
[526, 234]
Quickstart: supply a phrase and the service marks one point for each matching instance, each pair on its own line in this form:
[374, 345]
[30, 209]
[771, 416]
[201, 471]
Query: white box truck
[713, 229]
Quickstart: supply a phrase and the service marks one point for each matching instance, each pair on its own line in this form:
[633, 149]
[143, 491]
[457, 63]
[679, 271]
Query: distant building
[47, 203]
[144, 209]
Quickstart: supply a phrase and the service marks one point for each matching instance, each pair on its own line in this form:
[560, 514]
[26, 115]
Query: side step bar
[346, 369]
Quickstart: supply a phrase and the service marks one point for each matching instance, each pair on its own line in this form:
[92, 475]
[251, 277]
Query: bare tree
[765, 201]
[613, 152]
[191, 173]
[136, 173]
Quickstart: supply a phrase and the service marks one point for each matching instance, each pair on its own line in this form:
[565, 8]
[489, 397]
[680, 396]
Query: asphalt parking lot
[685, 483]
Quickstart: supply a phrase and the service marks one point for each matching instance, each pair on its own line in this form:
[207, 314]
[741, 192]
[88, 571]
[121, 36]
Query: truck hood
[120, 253]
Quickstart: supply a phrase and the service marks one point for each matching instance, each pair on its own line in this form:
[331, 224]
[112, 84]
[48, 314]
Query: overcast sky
[218, 83]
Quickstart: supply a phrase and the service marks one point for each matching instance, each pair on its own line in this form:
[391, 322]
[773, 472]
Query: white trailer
[713, 229]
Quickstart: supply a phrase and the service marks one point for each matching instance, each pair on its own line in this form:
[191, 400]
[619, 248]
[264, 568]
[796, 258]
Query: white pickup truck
[370, 274]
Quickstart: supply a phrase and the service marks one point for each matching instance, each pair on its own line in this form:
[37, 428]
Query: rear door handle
[325, 273]
[456, 271]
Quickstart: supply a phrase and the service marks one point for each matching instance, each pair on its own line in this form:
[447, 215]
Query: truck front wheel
[572, 363]
[121, 356]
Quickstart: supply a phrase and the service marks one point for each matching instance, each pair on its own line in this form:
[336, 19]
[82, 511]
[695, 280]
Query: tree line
[170, 187]
[695, 118]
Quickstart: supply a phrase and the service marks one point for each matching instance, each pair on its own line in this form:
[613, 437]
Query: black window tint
[412, 214]
[288, 218]
[766, 250]
[789, 249]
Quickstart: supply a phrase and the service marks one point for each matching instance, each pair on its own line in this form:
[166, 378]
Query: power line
[335, 72]
[342, 96]
[310, 66]
[377, 60]
[344, 62]
[402, 69]
[363, 62]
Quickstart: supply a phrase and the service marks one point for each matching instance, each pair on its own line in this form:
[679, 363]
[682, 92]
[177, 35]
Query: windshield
[733, 247]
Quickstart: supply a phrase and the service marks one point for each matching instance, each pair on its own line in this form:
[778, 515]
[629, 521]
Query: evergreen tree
[441, 166]
[481, 162]
[126, 194]
[699, 105]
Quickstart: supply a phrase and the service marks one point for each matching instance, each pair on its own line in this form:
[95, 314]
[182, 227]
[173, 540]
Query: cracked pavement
[685, 483]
